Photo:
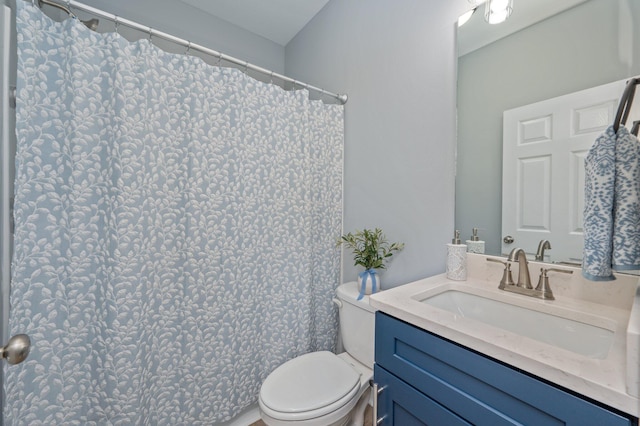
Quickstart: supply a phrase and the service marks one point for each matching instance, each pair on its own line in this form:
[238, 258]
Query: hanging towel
[599, 188]
[626, 207]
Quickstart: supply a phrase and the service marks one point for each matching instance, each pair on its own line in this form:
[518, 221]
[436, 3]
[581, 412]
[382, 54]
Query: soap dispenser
[475, 245]
[456, 259]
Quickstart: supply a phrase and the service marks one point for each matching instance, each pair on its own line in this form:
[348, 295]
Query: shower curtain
[175, 228]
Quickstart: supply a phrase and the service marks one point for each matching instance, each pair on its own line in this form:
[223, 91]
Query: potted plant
[371, 250]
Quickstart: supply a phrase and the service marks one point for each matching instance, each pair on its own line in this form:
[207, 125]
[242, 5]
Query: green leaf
[370, 247]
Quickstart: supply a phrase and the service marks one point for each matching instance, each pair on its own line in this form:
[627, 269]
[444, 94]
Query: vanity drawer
[476, 388]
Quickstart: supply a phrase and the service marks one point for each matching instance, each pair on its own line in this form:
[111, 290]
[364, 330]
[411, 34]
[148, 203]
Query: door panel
[7, 151]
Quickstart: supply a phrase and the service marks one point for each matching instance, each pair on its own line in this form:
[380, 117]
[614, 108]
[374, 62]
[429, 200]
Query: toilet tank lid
[348, 292]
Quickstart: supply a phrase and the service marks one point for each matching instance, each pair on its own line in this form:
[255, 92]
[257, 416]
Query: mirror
[578, 45]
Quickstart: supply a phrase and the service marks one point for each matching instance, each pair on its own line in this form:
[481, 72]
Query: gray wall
[592, 44]
[192, 24]
[396, 61]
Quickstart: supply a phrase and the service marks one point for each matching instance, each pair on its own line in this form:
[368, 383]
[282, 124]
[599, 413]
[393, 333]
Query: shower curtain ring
[150, 33]
[246, 68]
[271, 78]
[219, 59]
[188, 48]
[115, 20]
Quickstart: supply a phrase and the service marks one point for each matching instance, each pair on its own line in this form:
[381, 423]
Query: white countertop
[604, 380]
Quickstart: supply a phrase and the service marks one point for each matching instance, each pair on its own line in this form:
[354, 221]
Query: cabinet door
[477, 388]
[401, 405]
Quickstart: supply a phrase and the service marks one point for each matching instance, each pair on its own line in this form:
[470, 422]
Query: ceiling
[276, 20]
[477, 33]
[280, 20]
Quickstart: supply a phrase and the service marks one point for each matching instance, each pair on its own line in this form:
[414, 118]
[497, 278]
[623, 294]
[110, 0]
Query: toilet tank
[357, 323]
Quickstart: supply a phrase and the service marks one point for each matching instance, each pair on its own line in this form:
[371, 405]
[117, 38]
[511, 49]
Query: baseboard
[251, 415]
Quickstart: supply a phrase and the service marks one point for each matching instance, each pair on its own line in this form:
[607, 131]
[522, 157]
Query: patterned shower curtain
[175, 228]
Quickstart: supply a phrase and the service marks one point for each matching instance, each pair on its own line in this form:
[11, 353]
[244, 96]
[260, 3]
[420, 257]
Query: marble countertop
[614, 380]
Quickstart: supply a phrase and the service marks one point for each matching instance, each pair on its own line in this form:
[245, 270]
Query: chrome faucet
[542, 246]
[524, 279]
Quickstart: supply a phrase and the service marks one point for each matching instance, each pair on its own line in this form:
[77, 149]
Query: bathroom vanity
[448, 360]
[429, 380]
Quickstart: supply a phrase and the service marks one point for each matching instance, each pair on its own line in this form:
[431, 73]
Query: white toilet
[321, 388]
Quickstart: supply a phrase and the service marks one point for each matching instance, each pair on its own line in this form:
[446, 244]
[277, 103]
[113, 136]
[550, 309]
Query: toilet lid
[308, 383]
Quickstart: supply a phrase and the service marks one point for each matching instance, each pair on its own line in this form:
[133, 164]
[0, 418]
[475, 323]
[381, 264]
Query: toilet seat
[309, 386]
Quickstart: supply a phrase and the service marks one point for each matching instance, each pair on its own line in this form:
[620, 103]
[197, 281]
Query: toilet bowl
[321, 388]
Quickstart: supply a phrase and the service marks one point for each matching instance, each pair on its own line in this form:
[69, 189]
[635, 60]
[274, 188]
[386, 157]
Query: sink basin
[592, 338]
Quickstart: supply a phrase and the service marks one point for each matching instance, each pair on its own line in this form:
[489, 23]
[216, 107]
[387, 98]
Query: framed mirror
[541, 53]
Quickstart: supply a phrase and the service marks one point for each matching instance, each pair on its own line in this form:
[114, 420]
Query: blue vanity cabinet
[428, 380]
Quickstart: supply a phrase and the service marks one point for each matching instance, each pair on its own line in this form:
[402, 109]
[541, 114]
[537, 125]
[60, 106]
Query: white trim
[248, 417]
[6, 128]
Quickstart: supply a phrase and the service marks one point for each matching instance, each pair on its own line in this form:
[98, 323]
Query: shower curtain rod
[68, 4]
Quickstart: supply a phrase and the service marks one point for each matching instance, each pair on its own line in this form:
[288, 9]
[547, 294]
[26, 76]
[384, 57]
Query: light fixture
[465, 17]
[497, 11]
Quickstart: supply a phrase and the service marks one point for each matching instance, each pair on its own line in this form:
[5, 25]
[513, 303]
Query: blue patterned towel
[626, 207]
[600, 173]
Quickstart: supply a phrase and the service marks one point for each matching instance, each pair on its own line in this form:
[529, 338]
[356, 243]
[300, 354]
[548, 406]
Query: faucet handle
[507, 278]
[543, 282]
[564, 271]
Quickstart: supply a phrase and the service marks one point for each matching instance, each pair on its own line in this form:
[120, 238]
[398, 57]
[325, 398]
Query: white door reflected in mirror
[544, 146]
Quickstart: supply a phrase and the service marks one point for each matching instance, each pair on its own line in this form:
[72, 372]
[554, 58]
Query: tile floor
[367, 419]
